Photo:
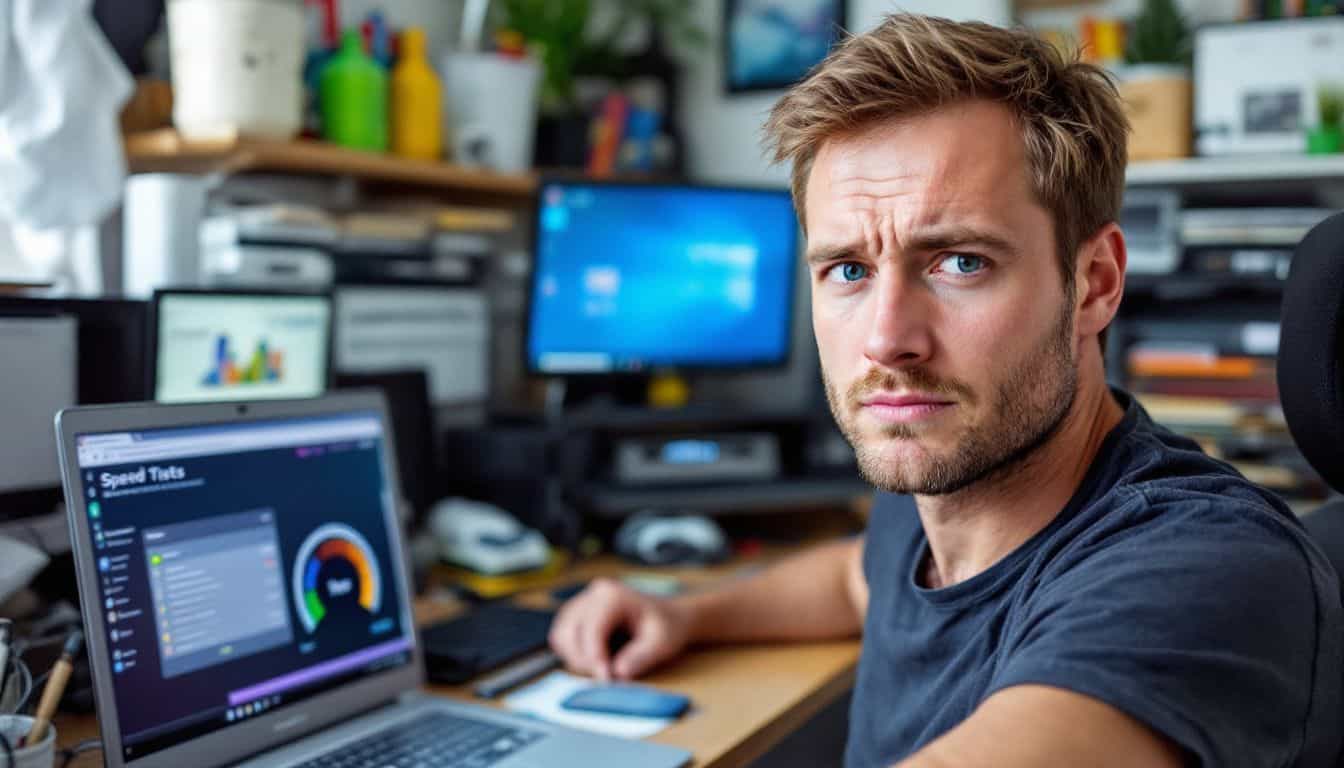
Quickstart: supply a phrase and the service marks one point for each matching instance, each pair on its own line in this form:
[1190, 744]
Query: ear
[1099, 280]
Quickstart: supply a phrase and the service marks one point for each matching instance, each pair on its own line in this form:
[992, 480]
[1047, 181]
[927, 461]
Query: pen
[516, 674]
[51, 694]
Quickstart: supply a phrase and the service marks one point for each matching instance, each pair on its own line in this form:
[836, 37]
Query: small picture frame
[772, 44]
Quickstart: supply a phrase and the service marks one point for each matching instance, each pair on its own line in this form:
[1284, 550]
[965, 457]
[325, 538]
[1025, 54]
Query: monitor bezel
[784, 361]
[152, 343]
[290, 722]
[36, 500]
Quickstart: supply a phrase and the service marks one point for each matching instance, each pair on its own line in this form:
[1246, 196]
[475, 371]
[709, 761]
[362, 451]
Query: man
[1047, 577]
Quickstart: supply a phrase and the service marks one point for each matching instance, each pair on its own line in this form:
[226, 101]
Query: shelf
[604, 500]
[167, 152]
[1180, 285]
[1221, 170]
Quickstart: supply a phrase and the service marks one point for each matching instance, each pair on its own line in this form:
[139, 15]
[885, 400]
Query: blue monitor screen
[633, 277]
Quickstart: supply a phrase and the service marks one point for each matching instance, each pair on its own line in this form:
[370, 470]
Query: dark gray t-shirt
[1169, 587]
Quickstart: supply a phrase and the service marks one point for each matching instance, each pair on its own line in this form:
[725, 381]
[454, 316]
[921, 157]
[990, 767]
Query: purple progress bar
[317, 672]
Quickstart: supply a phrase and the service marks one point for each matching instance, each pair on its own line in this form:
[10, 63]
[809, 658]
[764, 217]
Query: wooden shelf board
[166, 151]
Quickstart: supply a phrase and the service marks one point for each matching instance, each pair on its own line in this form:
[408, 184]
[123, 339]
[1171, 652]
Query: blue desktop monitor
[635, 277]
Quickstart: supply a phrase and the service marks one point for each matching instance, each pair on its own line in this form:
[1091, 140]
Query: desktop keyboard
[432, 740]
[488, 636]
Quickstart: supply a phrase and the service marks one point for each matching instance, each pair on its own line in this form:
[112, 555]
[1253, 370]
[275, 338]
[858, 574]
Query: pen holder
[40, 755]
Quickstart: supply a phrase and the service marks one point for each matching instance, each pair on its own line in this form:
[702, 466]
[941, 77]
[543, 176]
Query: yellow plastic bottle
[416, 117]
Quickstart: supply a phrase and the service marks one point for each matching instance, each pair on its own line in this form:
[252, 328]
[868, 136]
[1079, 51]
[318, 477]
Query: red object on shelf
[331, 28]
[610, 131]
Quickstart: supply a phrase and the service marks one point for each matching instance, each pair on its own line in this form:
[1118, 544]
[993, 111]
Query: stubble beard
[1029, 404]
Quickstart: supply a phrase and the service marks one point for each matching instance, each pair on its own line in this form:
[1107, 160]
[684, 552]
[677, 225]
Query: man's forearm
[810, 596]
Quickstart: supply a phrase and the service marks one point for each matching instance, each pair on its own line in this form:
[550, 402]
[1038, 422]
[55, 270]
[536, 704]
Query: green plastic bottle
[353, 90]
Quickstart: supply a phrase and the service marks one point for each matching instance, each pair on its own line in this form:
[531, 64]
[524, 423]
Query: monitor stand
[598, 393]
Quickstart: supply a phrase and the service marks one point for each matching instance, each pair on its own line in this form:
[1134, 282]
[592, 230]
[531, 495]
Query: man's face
[945, 335]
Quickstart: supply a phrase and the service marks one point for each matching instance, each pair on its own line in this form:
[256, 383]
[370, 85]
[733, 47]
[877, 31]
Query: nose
[899, 333]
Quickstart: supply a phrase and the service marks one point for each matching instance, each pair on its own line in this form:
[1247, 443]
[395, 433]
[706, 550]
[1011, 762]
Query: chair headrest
[1311, 380]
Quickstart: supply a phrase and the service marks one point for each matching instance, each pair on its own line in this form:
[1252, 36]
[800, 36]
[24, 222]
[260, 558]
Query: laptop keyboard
[432, 740]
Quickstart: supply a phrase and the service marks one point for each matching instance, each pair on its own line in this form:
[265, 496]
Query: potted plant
[1155, 83]
[1327, 136]
[574, 43]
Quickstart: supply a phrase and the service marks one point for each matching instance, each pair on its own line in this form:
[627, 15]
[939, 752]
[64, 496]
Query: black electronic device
[112, 336]
[708, 458]
[487, 637]
[407, 394]
[108, 367]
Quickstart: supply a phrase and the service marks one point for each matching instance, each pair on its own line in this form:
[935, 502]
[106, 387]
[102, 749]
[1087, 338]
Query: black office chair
[1311, 370]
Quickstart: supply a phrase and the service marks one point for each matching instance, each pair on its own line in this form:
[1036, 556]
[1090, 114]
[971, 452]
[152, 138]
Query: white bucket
[491, 106]
[237, 67]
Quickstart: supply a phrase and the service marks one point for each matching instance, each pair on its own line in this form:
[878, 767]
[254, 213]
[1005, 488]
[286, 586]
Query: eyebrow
[936, 239]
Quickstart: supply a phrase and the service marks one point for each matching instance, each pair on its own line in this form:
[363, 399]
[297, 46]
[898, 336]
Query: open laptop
[244, 591]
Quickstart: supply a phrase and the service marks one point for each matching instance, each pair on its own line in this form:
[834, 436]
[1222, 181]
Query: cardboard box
[1158, 106]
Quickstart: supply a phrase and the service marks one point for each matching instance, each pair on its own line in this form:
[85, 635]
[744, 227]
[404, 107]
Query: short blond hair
[1072, 121]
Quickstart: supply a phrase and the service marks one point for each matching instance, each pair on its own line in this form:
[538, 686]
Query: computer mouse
[661, 539]
[485, 538]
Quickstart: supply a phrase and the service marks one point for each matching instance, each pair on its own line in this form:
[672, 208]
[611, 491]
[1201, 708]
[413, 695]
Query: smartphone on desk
[636, 700]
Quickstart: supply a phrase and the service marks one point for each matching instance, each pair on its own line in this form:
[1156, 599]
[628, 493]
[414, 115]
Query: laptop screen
[242, 568]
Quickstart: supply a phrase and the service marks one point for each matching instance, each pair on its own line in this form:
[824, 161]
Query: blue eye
[963, 264]
[851, 272]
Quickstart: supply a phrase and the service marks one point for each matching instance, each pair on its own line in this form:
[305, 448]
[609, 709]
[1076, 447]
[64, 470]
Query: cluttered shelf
[165, 150]
[1234, 168]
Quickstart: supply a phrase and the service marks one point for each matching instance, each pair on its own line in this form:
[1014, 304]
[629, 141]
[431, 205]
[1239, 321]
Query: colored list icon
[95, 510]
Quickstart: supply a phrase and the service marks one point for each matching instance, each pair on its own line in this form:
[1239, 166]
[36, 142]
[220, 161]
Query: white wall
[723, 131]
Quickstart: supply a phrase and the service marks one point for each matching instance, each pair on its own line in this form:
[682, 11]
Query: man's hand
[659, 629]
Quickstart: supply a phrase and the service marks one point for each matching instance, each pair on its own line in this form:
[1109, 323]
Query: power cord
[69, 754]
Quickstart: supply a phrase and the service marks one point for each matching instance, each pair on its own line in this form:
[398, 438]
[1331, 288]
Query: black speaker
[407, 394]
[518, 467]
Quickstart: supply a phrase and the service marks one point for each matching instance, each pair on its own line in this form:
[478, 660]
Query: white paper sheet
[542, 700]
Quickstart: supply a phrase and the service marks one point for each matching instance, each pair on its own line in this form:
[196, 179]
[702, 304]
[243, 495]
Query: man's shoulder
[1173, 509]
[1158, 479]
[1163, 503]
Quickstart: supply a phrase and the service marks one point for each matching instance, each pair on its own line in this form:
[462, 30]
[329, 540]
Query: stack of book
[1216, 383]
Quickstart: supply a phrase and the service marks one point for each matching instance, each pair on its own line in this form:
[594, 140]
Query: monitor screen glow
[632, 277]
[214, 347]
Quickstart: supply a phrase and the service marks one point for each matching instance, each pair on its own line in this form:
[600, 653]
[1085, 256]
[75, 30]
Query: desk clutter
[277, 385]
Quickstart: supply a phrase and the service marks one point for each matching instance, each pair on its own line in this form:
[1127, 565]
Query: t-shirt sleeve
[1207, 628]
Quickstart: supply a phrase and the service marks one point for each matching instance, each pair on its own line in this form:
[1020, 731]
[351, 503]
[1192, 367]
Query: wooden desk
[745, 698]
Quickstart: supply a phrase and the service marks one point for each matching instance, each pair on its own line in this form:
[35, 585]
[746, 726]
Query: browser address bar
[198, 445]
